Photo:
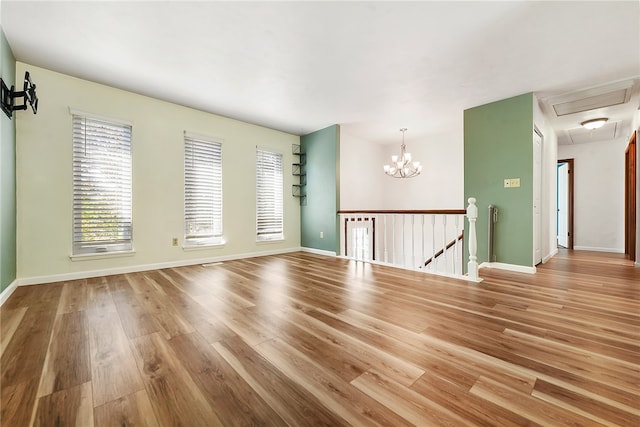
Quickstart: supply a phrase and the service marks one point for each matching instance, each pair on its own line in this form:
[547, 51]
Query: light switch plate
[515, 182]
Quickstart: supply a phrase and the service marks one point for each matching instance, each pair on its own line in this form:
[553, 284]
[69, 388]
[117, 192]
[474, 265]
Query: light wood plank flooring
[306, 340]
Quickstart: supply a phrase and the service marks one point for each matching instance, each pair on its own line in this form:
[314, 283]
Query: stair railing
[446, 248]
[406, 238]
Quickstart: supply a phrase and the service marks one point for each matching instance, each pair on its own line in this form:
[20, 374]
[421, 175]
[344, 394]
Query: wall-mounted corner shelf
[298, 190]
[297, 169]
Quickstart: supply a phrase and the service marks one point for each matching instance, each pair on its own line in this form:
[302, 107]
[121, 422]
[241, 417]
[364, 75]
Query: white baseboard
[637, 264]
[551, 255]
[509, 267]
[595, 249]
[8, 291]
[318, 251]
[146, 267]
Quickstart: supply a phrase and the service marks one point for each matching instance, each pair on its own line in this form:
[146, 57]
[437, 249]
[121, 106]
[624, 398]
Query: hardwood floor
[306, 340]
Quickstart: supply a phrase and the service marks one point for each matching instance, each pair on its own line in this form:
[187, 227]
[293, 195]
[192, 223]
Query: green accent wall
[498, 144]
[319, 210]
[7, 175]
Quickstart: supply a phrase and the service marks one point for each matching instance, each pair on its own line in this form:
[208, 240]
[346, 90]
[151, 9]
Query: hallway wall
[598, 194]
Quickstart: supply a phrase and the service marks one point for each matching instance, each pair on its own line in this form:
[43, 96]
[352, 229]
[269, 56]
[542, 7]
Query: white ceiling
[372, 67]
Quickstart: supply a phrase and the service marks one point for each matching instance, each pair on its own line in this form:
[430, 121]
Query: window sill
[101, 255]
[203, 247]
[263, 242]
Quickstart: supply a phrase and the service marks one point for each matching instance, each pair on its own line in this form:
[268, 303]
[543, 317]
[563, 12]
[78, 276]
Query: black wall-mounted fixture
[27, 95]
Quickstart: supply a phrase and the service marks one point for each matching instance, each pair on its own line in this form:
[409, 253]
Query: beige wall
[44, 180]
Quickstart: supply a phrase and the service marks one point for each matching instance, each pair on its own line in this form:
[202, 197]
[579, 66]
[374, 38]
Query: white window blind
[202, 191]
[269, 195]
[102, 220]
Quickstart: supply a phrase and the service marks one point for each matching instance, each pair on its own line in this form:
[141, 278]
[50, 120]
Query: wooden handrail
[415, 212]
[441, 251]
[401, 231]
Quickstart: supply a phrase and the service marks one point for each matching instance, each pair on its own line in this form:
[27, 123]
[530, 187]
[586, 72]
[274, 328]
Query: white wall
[363, 184]
[598, 194]
[549, 185]
[441, 183]
[44, 179]
[361, 175]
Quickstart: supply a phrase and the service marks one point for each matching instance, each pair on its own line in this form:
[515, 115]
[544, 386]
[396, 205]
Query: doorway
[630, 199]
[564, 214]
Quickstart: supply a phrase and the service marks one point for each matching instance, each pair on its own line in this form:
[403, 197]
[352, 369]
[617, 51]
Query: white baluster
[444, 243]
[386, 252]
[349, 233]
[356, 245]
[354, 237]
[374, 220]
[472, 215]
[393, 242]
[422, 259]
[341, 219]
[433, 242]
[404, 246]
[455, 245]
[365, 232]
[350, 245]
[413, 250]
[363, 224]
[345, 242]
[345, 245]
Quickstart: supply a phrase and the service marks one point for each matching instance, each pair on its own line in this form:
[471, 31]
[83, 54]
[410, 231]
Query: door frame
[630, 171]
[538, 224]
[570, 202]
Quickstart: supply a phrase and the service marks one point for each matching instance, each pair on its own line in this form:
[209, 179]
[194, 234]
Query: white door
[563, 205]
[537, 196]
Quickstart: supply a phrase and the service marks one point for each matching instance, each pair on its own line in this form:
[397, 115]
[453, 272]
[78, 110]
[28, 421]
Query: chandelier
[402, 166]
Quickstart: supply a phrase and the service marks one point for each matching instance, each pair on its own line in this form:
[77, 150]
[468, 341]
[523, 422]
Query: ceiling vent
[592, 99]
[605, 133]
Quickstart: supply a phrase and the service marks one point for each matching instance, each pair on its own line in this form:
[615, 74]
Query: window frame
[262, 234]
[83, 247]
[216, 238]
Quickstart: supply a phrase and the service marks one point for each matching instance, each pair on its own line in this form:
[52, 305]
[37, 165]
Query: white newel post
[472, 214]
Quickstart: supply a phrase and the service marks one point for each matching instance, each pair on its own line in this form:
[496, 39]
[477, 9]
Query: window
[360, 240]
[269, 196]
[360, 237]
[101, 186]
[202, 191]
